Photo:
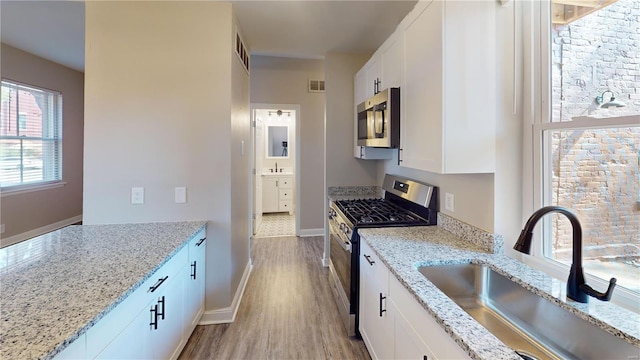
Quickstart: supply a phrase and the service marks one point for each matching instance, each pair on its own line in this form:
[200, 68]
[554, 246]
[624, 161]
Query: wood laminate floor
[287, 311]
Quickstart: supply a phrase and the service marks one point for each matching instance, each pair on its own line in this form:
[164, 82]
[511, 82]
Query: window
[588, 138]
[30, 136]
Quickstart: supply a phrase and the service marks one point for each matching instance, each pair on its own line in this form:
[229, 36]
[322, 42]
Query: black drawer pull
[382, 310]
[154, 317]
[193, 268]
[161, 313]
[157, 284]
[368, 258]
[201, 241]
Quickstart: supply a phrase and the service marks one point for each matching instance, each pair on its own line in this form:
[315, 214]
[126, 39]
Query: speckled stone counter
[354, 192]
[404, 249]
[54, 287]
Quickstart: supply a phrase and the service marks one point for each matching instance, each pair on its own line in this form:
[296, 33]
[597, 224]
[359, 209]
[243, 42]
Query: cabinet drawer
[285, 205]
[197, 244]
[106, 329]
[285, 194]
[378, 268]
[284, 183]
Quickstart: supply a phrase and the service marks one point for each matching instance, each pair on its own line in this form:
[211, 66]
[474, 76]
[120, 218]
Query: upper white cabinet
[448, 93]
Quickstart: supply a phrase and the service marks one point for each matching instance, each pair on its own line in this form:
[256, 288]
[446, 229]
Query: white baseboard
[311, 232]
[39, 231]
[228, 314]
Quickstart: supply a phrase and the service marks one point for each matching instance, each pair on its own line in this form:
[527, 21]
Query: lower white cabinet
[156, 320]
[375, 324]
[277, 194]
[392, 323]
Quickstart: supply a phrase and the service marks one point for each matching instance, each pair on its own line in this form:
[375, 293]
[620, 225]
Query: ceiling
[289, 28]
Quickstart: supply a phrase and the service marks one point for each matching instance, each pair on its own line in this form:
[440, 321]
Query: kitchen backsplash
[492, 243]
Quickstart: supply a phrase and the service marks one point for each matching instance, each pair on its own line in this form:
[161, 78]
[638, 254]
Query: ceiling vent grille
[316, 86]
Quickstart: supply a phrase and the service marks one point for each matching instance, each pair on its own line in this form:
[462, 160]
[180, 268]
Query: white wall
[166, 106]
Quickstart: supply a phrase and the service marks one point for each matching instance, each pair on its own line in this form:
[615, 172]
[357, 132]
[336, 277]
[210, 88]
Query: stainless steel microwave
[379, 120]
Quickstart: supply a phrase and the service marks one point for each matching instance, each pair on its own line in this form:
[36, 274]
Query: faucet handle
[605, 296]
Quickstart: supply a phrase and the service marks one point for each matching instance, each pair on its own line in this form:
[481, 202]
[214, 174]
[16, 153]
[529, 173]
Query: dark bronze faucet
[577, 289]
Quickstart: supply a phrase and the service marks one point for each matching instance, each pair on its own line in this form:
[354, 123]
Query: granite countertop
[54, 287]
[353, 192]
[404, 249]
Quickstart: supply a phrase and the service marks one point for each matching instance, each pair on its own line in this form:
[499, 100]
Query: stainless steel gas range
[406, 202]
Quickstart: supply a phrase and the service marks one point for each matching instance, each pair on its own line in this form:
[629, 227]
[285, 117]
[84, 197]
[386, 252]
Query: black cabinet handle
[201, 241]
[193, 268]
[154, 317]
[157, 284]
[368, 258]
[399, 159]
[382, 310]
[425, 357]
[160, 313]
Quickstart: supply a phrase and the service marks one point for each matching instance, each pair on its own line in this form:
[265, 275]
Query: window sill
[621, 296]
[23, 189]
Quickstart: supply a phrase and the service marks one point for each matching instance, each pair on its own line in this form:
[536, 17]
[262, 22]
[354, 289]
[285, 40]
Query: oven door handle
[346, 245]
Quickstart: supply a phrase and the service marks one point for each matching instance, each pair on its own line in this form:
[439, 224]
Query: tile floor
[277, 224]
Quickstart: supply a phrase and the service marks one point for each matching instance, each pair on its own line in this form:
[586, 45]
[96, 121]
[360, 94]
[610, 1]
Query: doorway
[275, 176]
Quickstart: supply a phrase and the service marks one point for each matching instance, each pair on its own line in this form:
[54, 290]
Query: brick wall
[595, 173]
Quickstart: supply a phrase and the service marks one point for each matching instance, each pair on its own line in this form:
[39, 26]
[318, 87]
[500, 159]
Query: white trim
[39, 231]
[585, 122]
[326, 261]
[23, 189]
[311, 232]
[228, 314]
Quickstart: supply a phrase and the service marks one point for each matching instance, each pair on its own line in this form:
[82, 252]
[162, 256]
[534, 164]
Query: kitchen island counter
[56, 286]
[405, 249]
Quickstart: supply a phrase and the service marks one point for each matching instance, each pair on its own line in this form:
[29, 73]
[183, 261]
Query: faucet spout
[577, 289]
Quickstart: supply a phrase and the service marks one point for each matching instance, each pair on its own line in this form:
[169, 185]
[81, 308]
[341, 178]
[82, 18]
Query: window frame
[43, 184]
[537, 119]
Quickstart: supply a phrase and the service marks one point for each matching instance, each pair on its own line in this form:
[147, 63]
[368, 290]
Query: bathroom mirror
[277, 141]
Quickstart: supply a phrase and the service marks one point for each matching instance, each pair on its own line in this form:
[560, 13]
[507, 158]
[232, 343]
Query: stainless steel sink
[534, 327]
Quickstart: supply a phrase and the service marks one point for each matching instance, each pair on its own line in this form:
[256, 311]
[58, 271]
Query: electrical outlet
[1, 228]
[181, 195]
[449, 202]
[137, 195]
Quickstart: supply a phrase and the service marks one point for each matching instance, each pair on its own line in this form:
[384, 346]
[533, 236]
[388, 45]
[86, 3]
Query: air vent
[316, 85]
[242, 52]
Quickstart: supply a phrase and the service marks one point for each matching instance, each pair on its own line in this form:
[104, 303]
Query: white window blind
[30, 135]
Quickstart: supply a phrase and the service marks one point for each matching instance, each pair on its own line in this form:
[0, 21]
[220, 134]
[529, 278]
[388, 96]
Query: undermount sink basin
[534, 327]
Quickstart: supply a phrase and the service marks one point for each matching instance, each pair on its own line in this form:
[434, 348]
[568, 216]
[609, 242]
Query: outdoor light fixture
[612, 100]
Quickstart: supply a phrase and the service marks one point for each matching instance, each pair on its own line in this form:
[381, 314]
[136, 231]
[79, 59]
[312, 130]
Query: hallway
[287, 312]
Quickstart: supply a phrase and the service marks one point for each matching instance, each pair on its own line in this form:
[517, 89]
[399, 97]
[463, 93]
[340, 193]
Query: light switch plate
[137, 195]
[1, 228]
[181, 195]
[449, 202]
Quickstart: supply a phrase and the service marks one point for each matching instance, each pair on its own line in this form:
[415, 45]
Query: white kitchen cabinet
[392, 323]
[375, 323]
[195, 286]
[277, 194]
[392, 61]
[156, 319]
[448, 93]
[425, 335]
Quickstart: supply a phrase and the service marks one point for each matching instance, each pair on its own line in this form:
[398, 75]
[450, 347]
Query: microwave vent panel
[316, 85]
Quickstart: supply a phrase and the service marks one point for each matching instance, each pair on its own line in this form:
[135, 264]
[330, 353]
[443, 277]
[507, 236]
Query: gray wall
[342, 168]
[166, 105]
[276, 80]
[28, 211]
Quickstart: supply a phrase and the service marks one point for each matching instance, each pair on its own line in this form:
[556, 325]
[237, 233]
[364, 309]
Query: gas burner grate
[376, 212]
